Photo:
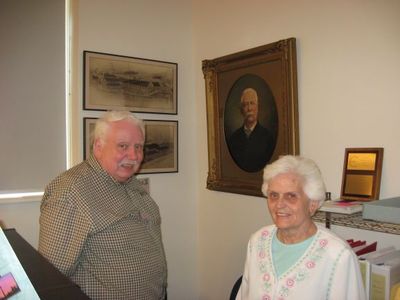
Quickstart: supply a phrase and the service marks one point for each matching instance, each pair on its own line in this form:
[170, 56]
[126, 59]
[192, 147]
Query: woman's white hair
[305, 168]
[103, 123]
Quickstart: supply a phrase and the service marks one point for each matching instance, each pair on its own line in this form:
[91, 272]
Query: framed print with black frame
[264, 77]
[88, 130]
[117, 82]
[160, 149]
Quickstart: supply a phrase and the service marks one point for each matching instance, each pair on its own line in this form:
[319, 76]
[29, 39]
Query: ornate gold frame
[275, 64]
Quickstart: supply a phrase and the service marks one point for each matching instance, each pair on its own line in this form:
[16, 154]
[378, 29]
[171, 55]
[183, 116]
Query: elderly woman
[295, 258]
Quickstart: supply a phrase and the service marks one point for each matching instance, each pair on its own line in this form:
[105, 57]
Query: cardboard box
[385, 210]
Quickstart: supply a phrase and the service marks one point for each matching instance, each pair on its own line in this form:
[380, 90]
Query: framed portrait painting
[252, 114]
[116, 82]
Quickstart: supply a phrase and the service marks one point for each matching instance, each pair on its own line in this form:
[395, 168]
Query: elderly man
[98, 226]
[252, 145]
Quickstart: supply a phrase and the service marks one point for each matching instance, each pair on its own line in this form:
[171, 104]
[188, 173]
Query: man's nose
[133, 153]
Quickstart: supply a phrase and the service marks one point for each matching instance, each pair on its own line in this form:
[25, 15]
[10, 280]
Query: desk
[48, 281]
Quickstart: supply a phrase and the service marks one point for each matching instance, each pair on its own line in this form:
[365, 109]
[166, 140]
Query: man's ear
[97, 146]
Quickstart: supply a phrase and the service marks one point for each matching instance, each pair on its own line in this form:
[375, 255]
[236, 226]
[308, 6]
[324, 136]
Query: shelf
[355, 221]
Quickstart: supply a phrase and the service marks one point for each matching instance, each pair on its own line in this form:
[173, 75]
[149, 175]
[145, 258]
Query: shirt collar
[249, 128]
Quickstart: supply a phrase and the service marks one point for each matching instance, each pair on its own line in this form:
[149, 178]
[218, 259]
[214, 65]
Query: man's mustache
[128, 163]
[249, 114]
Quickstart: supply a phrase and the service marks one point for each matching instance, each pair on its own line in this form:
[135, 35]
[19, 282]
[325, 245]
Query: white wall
[23, 216]
[348, 77]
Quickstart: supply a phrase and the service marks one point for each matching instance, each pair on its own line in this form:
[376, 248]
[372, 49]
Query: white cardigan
[327, 270]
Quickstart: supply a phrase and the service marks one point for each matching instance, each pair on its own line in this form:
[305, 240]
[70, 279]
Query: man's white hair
[248, 91]
[103, 123]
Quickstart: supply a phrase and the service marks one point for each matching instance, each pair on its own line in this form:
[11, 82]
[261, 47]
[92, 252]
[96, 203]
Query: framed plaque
[362, 171]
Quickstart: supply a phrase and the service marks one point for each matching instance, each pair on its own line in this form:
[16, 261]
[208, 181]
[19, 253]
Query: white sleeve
[243, 293]
[347, 281]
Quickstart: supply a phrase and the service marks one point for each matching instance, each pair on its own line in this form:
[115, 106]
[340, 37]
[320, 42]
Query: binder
[395, 292]
[357, 243]
[365, 262]
[366, 249]
[383, 278]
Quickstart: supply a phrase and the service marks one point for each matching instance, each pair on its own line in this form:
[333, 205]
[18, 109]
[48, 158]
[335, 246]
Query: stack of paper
[342, 207]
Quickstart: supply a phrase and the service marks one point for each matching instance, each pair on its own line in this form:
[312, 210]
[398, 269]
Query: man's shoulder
[70, 177]
[74, 172]
[238, 131]
[260, 128]
[237, 135]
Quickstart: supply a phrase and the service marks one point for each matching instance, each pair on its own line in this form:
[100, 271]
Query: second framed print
[160, 149]
[252, 114]
[115, 82]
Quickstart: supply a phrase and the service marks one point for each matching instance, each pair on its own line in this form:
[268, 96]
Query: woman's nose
[281, 202]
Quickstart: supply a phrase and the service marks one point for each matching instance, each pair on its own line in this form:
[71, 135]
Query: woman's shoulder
[331, 238]
[263, 232]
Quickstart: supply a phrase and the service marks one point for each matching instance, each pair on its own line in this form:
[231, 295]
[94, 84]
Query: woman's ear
[314, 205]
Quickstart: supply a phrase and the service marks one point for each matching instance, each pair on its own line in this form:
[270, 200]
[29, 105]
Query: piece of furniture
[355, 221]
[235, 288]
[48, 281]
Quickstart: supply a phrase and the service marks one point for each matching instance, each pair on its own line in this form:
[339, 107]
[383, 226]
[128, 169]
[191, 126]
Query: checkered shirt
[103, 234]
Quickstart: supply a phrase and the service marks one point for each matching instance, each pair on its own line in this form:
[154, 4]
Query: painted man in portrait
[251, 145]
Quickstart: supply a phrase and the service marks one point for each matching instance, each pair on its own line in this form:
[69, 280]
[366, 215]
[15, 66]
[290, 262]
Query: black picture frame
[118, 82]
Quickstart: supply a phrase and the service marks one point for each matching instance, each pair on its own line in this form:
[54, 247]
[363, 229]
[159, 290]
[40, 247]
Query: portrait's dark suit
[251, 153]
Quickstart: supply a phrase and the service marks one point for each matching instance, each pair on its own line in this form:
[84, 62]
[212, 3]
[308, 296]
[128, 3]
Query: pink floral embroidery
[310, 264]
[264, 234]
[290, 282]
[323, 242]
[261, 254]
[266, 277]
[266, 297]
